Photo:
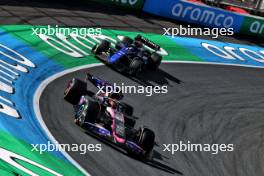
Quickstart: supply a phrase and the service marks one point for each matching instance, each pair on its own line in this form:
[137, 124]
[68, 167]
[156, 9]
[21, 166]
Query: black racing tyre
[135, 67]
[90, 113]
[146, 139]
[127, 109]
[154, 61]
[75, 89]
[102, 47]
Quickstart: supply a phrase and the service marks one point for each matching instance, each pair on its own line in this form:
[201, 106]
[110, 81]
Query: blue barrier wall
[194, 13]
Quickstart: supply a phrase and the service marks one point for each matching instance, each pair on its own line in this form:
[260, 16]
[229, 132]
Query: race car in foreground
[129, 56]
[105, 116]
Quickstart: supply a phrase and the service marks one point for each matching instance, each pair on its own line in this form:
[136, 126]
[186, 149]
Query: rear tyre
[135, 67]
[146, 140]
[154, 61]
[102, 47]
[75, 89]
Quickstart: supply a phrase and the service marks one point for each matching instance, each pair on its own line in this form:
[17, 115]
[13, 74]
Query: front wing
[100, 131]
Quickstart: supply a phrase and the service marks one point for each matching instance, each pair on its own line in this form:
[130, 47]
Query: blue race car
[129, 56]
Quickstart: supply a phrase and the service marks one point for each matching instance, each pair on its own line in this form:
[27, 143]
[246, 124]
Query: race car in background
[105, 116]
[129, 56]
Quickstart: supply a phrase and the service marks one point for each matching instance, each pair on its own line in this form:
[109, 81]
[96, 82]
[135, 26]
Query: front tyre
[146, 140]
[154, 61]
[74, 90]
[135, 67]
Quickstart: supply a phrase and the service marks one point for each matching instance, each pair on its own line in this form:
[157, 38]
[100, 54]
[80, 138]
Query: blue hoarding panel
[194, 13]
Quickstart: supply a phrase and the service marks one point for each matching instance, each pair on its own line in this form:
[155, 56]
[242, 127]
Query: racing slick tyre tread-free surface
[146, 139]
[155, 60]
[102, 47]
[135, 67]
[75, 89]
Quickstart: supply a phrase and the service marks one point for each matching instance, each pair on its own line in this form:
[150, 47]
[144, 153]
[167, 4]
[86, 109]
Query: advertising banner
[253, 26]
[194, 13]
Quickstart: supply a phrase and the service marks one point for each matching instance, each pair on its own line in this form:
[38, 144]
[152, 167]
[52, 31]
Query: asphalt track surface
[205, 103]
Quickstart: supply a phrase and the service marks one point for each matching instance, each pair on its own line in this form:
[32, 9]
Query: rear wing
[98, 82]
[147, 42]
